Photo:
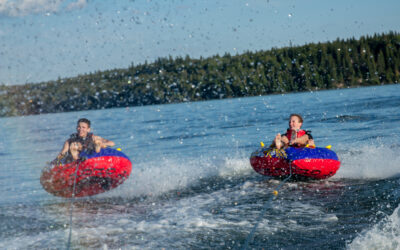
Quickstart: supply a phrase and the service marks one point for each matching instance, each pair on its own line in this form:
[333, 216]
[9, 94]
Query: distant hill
[370, 60]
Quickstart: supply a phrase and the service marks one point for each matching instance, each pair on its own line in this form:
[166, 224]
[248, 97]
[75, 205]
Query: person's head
[295, 121]
[83, 127]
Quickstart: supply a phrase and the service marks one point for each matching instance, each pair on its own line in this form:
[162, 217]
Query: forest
[369, 60]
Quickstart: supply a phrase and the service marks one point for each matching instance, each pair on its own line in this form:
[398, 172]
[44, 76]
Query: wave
[168, 173]
[158, 176]
[349, 118]
[369, 162]
[384, 235]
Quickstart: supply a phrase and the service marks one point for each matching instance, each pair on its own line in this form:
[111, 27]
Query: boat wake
[369, 162]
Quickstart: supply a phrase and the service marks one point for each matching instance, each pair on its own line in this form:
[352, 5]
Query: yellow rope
[277, 153]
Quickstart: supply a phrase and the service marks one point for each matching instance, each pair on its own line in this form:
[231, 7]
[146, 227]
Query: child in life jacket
[294, 136]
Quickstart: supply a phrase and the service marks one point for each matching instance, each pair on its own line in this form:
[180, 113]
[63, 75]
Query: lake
[192, 186]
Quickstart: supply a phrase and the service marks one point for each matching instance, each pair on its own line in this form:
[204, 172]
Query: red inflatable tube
[97, 174]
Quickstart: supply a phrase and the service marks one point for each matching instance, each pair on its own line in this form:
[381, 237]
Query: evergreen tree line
[370, 60]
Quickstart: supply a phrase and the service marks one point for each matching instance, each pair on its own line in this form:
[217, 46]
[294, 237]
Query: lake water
[192, 186]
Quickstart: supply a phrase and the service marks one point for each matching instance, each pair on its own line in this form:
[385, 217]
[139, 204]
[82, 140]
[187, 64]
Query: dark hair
[298, 116]
[84, 120]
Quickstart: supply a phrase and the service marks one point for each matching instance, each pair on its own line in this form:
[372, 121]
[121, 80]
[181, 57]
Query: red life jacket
[299, 133]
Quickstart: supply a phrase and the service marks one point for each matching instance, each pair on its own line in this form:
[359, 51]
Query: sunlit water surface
[192, 185]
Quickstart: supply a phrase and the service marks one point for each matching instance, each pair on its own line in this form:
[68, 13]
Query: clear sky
[43, 40]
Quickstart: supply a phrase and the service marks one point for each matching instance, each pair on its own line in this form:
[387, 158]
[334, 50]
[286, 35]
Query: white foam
[163, 175]
[369, 162]
[384, 235]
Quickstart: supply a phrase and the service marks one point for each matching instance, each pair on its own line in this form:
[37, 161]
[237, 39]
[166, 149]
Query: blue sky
[42, 40]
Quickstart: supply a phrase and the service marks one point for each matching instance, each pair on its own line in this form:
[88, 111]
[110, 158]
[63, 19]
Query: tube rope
[71, 208]
[250, 237]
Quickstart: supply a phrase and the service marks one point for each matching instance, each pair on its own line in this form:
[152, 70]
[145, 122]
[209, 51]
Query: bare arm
[285, 140]
[303, 140]
[64, 150]
[311, 143]
[280, 141]
[103, 142]
[107, 143]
